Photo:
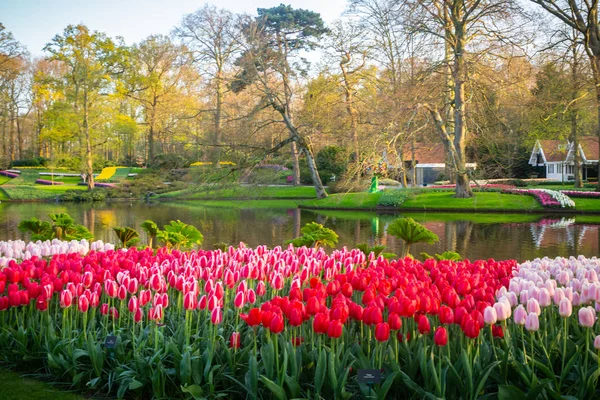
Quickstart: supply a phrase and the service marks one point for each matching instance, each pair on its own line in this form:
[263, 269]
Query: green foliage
[63, 227]
[411, 232]
[221, 246]
[168, 161]
[447, 255]
[392, 198]
[29, 162]
[180, 235]
[128, 236]
[83, 196]
[316, 235]
[376, 250]
[332, 161]
[151, 229]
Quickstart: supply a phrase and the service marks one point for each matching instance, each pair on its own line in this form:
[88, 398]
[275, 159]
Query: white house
[556, 158]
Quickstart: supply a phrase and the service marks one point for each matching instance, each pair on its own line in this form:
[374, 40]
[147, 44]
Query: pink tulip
[238, 302]
[133, 304]
[261, 289]
[503, 309]
[532, 323]
[565, 308]
[520, 315]
[251, 296]
[104, 309]
[216, 316]
[490, 316]
[544, 298]
[587, 317]
[189, 301]
[597, 342]
[83, 303]
[533, 306]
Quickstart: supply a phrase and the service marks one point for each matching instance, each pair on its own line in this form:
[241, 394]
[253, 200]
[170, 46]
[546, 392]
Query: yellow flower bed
[107, 173]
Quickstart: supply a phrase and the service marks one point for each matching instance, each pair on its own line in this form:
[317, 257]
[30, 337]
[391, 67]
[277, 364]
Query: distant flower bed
[107, 173]
[99, 184]
[8, 174]
[274, 167]
[47, 182]
[547, 198]
[581, 194]
[498, 186]
[201, 163]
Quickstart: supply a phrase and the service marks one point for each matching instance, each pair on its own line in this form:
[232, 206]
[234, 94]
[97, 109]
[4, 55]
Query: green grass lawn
[586, 204]
[37, 192]
[241, 204]
[346, 200]
[15, 387]
[480, 201]
[4, 179]
[245, 192]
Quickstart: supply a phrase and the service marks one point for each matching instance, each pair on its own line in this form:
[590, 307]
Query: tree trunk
[414, 162]
[463, 189]
[88, 144]
[151, 133]
[295, 163]
[217, 136]
[576, 155]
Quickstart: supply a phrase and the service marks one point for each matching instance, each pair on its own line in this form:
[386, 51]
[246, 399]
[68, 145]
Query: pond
[474, 236]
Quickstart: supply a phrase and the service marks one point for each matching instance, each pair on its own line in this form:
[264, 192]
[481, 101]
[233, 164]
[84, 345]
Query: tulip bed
[581, 194]
[547, 198]
[301, 323]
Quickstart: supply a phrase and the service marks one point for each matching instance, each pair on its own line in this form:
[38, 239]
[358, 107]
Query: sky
[35, 22]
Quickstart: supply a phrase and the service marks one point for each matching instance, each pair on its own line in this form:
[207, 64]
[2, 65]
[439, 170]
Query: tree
[583, 18]
[270, 42]
[154, 79]
[213, 37]
[90, 59]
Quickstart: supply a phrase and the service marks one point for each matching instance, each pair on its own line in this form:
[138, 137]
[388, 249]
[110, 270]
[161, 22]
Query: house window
[550, 168]
[569, 169]
[560, 168]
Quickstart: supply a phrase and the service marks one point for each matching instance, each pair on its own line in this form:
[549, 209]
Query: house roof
[589, 145]
[425, 153]
[554, 150]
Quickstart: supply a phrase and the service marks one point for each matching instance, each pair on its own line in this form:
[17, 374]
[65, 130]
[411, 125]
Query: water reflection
[473, 236]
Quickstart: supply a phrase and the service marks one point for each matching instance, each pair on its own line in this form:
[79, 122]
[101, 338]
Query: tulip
[565, 308]
[189, 301]
[520, 315]
[277, 324]
[423, 325]
[394, 321]
[83, 304]
[532, 323]
[321, 323]
[533, 306]
[104, 309]
[216, 316]
[253, 317]
[587, 317]
[66, 299]
[440, 337]
[489, 315]
[446, 315]
[235, 340]
[471, 327]
[597, 342]
[238, 302]
[335, 328]
[133, 304]
[382, 331]
[497, 331]
[295, 317]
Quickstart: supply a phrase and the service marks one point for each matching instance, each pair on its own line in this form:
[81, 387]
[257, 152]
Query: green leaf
[387, 384]
[320, 371]
[127, 236]
[448, 255]
[314, 234]
[506, 392]
[411, 232]
[277, 390]
[194, 390]
[135, 384]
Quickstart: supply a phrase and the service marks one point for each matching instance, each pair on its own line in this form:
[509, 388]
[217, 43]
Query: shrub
[30, 162]
[332, 161]
[392, 198]
[349, 185]
[82, 196]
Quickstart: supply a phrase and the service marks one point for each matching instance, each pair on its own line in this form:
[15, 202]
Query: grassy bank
[15, 387]
[242, 192]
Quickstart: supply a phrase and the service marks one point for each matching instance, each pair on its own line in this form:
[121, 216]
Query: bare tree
[213, 37]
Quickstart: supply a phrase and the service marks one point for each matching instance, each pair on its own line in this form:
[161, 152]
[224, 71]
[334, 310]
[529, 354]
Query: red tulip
[253, 318]
[104, 309]
[335, 328]
[83, 304]
[347, 289]
[313, 306]
[440, 336]
[114, 313]
[66, 299]
[41, 304]
[139, 315]
[321, 323]
[497, 331]
[295, 317]
[216, 316]
[261, 289]
[382, 332]
[239, 300]
[133, 304]
[446, 315]
[471, 328]
[235, 340]
[189, 301]
[276, 324]
[394, 321]
[251, 294]
[424, 326]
